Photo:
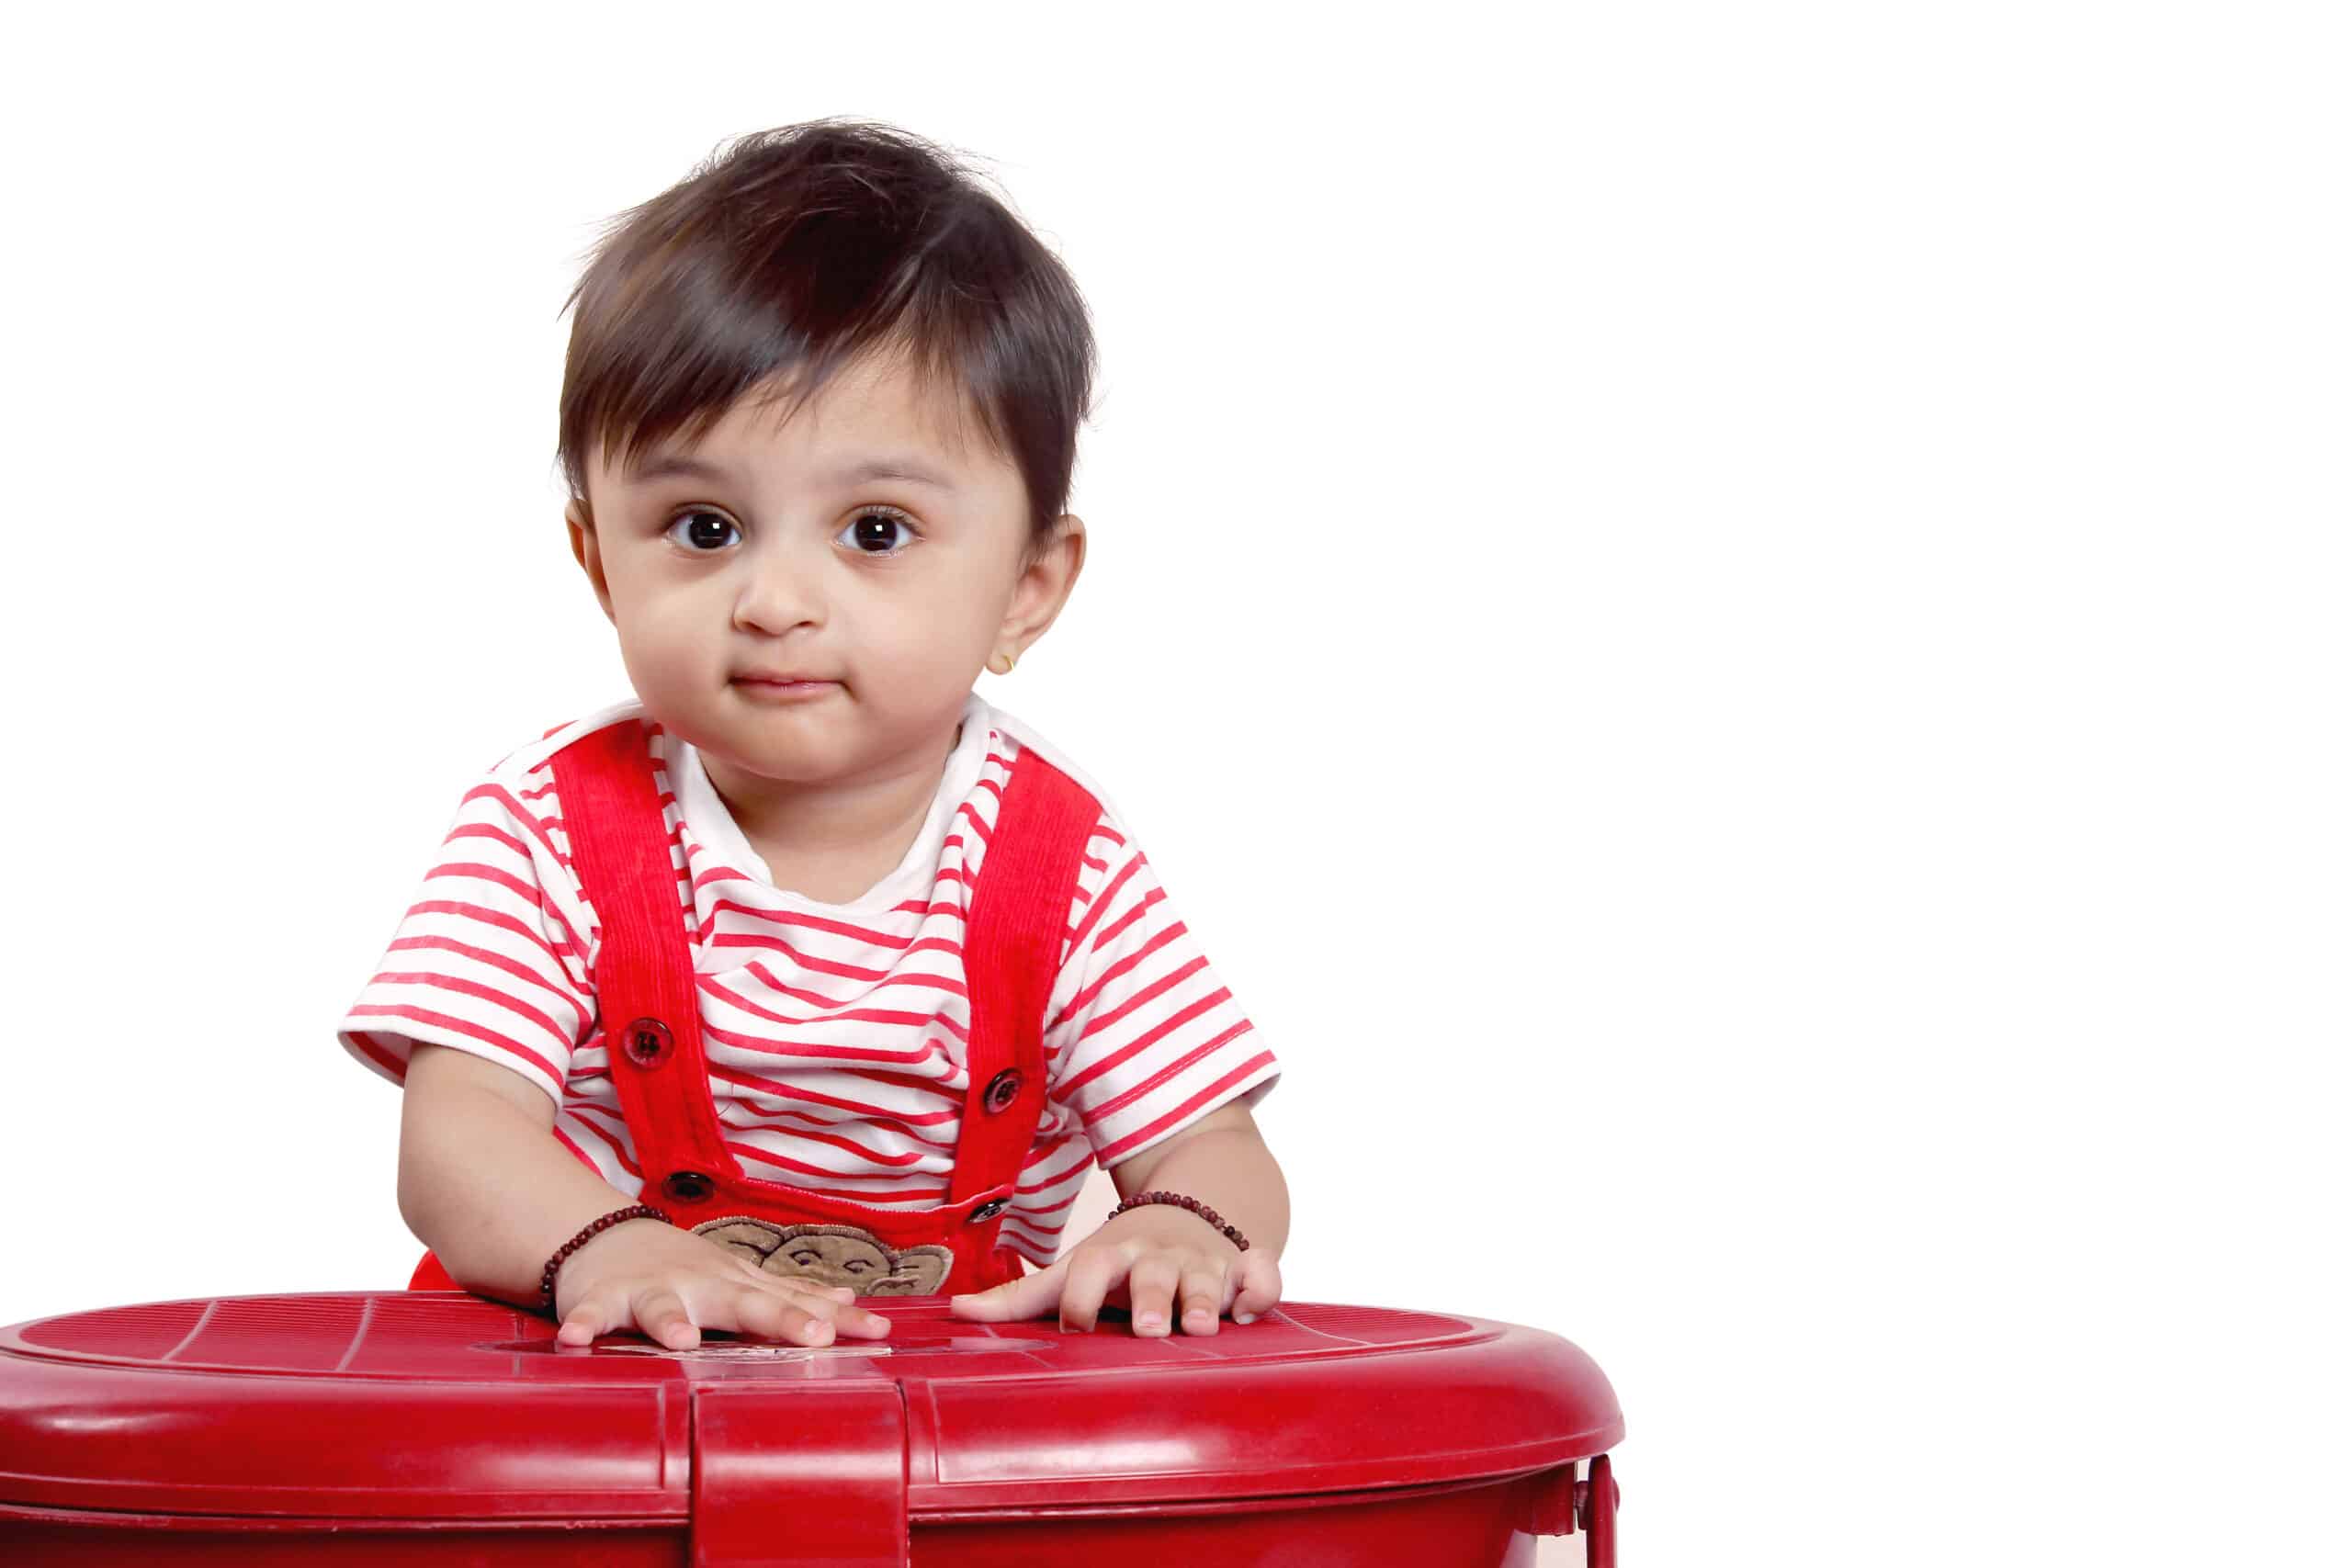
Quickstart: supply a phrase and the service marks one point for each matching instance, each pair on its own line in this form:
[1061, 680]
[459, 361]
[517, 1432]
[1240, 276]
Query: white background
[1728, 620]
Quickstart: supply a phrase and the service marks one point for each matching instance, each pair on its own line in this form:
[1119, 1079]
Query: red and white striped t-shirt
[834, 1032]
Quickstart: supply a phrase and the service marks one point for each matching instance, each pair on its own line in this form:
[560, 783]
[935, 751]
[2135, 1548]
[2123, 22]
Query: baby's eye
[703, 530]
[872, 527]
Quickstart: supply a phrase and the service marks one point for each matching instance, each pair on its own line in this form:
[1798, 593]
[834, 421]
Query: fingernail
[1151, 1321]
[1244, 1317]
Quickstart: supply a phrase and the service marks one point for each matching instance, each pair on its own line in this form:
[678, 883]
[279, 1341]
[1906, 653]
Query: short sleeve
[1142, 1039]
[489, 957]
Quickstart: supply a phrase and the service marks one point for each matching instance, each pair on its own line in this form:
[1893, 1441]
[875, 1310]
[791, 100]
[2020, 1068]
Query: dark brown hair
[788, 253]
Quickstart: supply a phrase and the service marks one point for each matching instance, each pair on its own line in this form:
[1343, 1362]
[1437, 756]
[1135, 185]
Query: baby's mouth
[778, 688]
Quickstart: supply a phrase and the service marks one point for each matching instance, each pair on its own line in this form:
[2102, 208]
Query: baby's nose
[775, 600]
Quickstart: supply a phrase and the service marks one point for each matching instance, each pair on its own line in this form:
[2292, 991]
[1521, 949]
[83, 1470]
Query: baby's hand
[669, 1284]
[1146, 1259]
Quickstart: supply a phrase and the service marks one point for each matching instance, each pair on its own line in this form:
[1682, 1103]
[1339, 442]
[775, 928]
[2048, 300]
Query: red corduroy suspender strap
[645, 976]
[1013, 948]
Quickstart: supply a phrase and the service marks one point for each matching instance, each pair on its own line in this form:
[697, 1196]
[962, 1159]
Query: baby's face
[775, 556]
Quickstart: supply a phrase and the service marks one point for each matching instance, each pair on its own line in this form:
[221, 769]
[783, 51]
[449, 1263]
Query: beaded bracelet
[1140, 1198]
[547, 1275]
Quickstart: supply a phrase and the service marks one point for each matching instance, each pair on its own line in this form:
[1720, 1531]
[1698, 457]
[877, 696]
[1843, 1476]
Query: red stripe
[1167, 934]
[926, 1049]
[515, 809]
[846, 1145]
[1110, 933]
[1076, 1169]
[504, 922]
[808, 1124]
[778, 1090]
[490, 830]
[711, 985]
[1103, 900]
[1155, 1032]
[498, 961]
[777, 944]
[1174, 978]
[452, 984]
[865, 934]
[810, 961]
[576, 1152]
[766, 977]
[459, 1026]
[1096, 1114]
[617, 1144]
[1144, 1135]
[926, 1087]
[947, 983]
[528, 892]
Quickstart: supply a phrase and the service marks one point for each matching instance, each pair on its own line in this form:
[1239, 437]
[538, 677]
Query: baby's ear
[579, 522]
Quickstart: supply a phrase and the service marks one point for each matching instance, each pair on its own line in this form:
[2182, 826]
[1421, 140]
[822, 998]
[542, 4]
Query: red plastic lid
[432, 1405]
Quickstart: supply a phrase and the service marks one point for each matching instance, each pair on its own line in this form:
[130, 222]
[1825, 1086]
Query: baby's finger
[663, 1317]
[588, 1318]
[1151, 1286]
[771, 1315]
[1092, 1271]
[1028, 1296]
[837, 1305]
[1262, 1286]
[1203, 1293]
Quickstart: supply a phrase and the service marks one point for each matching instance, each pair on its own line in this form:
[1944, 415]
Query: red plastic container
[424, 1427]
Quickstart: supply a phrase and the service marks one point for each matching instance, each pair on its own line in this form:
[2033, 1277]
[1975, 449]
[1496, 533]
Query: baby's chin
[788, 757]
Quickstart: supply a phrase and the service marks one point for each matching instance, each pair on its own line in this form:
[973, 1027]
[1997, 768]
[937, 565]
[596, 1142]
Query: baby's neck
[832, 842]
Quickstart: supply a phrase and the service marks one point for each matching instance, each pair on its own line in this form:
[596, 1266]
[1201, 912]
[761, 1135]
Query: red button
[646, 1042]
[687, 1186]
[1004, 1089]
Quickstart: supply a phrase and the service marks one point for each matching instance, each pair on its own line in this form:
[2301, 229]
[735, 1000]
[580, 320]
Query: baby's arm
[1164, 1263]
[485, 1185]
[483, 1181]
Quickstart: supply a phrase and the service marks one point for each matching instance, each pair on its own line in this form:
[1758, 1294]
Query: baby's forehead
[875, 416]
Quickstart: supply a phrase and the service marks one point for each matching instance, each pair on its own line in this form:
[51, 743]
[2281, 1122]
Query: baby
[808, 977]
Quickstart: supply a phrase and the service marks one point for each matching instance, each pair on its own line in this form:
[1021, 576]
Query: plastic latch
[1549, 1502]
[824, 1482]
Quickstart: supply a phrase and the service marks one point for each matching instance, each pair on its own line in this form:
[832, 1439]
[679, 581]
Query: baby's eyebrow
[666, 465]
